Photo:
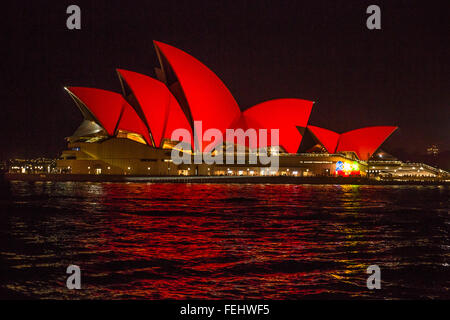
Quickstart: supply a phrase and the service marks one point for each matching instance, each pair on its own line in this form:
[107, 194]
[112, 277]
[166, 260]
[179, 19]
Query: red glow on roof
[197, 94]
[209, 99]
[365, 141]
[282, 114]
[105, 106]
[154, 99]
[131, 122]
[329, 139]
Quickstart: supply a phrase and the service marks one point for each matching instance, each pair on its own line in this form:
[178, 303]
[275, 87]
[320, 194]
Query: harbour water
[223, 241]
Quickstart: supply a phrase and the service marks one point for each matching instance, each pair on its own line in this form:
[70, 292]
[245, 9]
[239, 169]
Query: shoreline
[215, 179]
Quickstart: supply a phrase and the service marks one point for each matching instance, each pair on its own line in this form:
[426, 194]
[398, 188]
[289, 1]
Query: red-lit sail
[207, 97]
[365, 141]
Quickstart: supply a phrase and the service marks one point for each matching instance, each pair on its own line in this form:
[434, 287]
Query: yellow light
[347, 166]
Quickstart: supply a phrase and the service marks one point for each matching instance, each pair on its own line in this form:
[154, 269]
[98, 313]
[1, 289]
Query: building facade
[135, 131]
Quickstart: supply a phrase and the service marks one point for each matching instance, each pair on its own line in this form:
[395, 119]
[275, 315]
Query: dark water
[158, 241]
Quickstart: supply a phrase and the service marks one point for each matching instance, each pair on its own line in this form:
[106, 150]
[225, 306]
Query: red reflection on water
[224, 241]
[207, 241]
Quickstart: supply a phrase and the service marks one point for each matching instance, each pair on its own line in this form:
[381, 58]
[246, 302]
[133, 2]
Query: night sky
[315, 50]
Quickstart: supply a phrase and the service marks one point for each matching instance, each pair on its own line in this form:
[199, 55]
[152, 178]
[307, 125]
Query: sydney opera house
[130, 133]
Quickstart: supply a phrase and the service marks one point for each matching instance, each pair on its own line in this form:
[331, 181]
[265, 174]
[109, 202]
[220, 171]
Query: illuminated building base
[121, 156]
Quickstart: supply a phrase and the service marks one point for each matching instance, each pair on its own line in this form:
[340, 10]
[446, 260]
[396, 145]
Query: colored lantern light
[347, 167]
[339, 166]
